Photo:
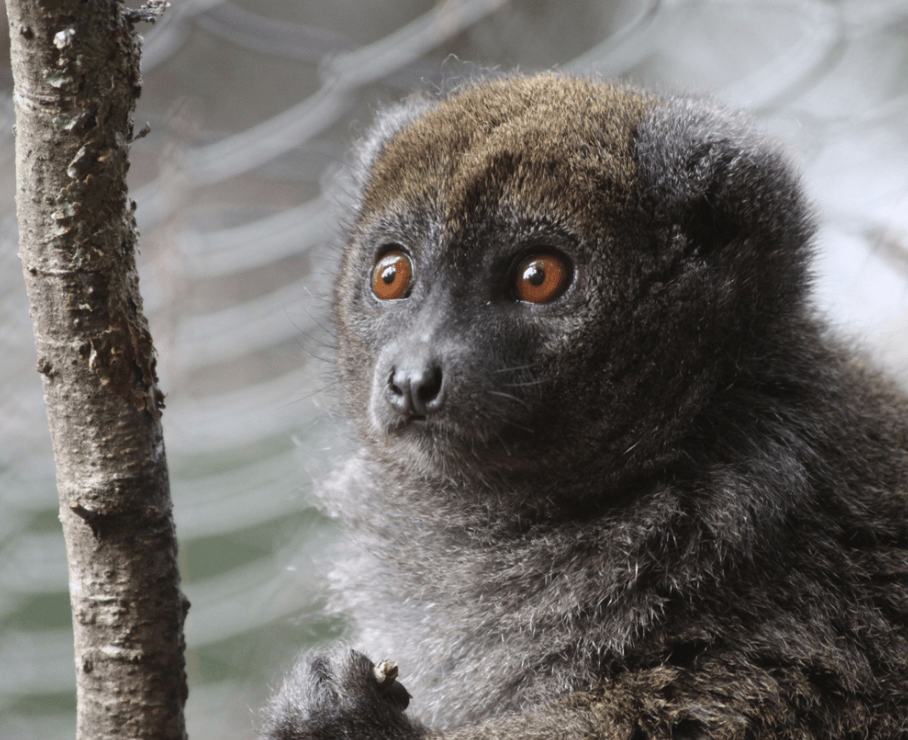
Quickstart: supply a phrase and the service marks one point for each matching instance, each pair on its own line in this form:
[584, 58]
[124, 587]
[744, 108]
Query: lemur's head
[553, 274]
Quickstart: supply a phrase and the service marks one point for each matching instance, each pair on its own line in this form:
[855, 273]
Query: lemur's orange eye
[391, 276]
[541, 278]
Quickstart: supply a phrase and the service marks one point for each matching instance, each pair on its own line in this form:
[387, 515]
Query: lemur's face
[465, 334]
[479, 289]
[512, 290]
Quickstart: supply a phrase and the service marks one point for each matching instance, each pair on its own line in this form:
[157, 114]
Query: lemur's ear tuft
[388, 122]
[711, 171]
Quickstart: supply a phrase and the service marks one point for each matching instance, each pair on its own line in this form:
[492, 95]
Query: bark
[76, 70]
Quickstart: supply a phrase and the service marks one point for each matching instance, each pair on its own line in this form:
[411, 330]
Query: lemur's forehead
[560, 145]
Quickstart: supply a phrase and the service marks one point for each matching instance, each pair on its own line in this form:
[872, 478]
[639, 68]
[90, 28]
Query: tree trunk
[76, 70]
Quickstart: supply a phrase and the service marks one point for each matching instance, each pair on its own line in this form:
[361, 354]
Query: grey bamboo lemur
[616, 479]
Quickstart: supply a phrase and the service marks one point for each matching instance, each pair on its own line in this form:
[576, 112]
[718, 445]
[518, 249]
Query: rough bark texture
[76, 69]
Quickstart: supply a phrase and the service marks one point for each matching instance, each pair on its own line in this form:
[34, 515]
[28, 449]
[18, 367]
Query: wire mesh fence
[241, 200]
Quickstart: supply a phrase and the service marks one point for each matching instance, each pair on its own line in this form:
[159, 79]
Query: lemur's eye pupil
[535, 275]
[389, 275]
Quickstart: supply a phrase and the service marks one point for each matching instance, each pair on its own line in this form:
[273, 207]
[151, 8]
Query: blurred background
[252, 105]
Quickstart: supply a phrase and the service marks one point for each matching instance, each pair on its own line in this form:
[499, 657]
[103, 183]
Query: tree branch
[76, 71]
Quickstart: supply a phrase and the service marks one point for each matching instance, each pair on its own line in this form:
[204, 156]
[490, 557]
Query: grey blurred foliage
[240, 186]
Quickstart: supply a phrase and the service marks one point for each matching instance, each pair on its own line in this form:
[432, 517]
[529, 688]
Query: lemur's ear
[388, 122]
[711, 172]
